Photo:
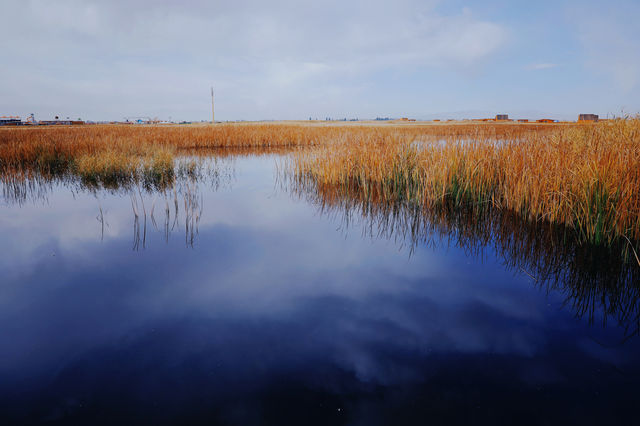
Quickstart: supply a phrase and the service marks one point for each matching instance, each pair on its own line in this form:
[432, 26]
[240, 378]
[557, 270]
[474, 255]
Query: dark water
[259, 304]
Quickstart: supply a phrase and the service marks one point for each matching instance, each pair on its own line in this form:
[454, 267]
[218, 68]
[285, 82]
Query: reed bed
[585, 177]
[113, 153]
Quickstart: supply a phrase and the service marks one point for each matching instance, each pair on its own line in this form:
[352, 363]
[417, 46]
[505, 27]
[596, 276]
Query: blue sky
[295, 60]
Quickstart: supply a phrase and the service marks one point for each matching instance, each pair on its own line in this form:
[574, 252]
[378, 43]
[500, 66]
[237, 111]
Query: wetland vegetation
[583, 176]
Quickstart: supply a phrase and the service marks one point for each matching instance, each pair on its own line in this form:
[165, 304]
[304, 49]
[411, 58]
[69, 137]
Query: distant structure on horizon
[15, 120]
[213, 114]
[502, 117]
[9, 120]
[588, 117]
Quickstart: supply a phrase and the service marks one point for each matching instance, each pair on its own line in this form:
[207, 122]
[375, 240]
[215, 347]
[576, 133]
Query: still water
[259, 304]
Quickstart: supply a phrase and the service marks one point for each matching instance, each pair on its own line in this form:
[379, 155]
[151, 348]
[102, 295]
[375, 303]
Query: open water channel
[260, 304]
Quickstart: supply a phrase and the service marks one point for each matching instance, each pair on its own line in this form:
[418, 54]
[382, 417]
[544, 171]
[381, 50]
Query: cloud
[128, 54]
[541, 66]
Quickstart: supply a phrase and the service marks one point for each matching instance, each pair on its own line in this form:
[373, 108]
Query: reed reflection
[169, 204]
[598, 282]
[25, 188]
[165, 213]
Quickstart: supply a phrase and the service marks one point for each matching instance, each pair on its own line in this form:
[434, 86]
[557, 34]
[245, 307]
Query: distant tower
[213, 114]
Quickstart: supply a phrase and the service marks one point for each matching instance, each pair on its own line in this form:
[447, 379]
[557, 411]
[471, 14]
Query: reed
[582, 176]
[110, 153]
[585, 177]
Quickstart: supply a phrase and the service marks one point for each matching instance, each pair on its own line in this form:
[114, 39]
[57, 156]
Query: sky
[278, 60]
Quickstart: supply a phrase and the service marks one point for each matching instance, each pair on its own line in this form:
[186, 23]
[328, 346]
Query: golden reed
[586, 177]
[114, 152]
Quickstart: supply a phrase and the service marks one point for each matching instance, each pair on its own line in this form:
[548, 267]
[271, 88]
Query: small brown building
[588, 117]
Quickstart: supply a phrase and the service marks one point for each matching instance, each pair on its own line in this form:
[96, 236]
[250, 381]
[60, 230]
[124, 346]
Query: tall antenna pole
[213, 116]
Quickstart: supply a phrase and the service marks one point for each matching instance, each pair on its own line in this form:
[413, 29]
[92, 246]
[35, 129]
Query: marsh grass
[104, 149]
[584, 177]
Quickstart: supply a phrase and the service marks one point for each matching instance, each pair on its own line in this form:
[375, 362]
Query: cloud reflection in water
[273, 315]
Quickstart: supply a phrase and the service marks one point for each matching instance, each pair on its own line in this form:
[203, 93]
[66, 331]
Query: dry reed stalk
[112, 151]
[586, 177]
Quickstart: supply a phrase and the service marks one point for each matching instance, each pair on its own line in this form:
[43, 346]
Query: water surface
[258, 303]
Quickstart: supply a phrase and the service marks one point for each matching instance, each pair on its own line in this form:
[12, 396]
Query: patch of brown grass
[586, 177]
[113, 151]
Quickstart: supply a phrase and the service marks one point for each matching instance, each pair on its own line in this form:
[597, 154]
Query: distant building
[545, 120]
[588, 117]
[10, 120]
[60, 122]
[502, 117]
[523, 120]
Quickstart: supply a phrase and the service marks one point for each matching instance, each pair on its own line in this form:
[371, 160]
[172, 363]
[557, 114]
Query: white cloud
[541, 66]
[123, 55]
